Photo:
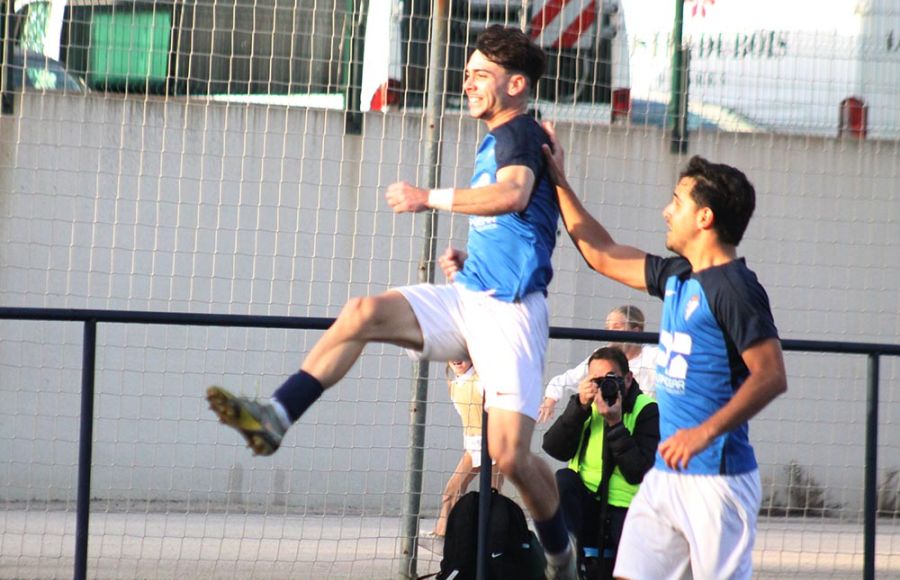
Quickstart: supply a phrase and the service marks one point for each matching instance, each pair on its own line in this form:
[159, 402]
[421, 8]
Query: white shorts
[506, 341]
[472, 445]
[684, 526]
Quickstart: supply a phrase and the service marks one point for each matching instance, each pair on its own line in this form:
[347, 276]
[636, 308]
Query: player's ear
[705, 218]
[517, 84]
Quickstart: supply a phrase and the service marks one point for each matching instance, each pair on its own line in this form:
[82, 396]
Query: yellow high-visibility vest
[589, 465]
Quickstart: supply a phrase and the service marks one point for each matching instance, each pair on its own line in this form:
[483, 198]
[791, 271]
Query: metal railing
[91, 318]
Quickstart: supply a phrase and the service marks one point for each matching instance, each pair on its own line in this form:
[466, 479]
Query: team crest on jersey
[691, 307]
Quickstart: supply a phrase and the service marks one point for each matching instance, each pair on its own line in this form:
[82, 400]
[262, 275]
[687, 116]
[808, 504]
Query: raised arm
[510, 194]
[622, 263]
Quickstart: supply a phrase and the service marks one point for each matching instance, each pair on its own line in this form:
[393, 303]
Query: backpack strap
[602, 495]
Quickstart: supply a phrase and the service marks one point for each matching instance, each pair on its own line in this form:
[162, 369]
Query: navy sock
[552, 533]
[298, 393]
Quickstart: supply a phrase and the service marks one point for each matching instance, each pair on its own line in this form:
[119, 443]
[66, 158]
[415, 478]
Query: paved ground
[40, 544]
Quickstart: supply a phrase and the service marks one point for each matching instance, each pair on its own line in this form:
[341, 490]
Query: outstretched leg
[387, 318]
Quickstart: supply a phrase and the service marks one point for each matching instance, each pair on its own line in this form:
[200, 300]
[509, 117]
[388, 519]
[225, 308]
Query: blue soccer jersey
[509, 254]
[709, 318]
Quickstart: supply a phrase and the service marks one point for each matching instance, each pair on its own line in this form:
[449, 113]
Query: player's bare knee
[507, 466]
[358, 314]
[511, 465]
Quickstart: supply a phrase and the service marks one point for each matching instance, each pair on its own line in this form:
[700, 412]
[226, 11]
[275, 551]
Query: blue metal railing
[91, 318]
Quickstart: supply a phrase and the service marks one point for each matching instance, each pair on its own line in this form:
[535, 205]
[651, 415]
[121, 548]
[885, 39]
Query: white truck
[797, 66]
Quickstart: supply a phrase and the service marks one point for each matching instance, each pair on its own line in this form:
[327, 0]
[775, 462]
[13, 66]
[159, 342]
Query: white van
[803, 66]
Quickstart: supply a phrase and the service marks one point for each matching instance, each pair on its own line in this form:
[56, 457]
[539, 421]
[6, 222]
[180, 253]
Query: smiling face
[459, 367]
[494, 94]
[683, 217]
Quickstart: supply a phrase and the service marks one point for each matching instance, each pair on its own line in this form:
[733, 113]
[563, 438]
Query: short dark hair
[727, 192]
[513, 50]
[612, 354]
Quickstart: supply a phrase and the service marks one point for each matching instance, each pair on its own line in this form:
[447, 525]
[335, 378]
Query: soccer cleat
[257, 422]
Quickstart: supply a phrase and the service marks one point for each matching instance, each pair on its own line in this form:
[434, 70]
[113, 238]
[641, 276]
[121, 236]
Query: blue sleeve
[658, 270]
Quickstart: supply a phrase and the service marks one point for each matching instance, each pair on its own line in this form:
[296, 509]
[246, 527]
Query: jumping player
[495, 311]
[719, 364]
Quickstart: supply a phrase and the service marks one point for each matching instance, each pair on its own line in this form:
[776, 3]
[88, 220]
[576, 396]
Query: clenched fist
[451, 262]
[403, 197]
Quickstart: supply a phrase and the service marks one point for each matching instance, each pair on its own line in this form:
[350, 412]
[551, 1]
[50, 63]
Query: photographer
[608, 433]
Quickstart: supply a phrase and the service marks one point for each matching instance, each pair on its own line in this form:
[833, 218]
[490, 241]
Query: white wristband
[441, 199]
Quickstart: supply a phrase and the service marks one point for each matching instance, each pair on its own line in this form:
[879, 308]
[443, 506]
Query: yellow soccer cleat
[257, 422]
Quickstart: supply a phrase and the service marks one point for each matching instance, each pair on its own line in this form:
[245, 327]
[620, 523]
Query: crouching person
[608, 433]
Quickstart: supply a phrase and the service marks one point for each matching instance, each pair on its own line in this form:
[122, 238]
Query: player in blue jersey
[495, 310]
[719, 364]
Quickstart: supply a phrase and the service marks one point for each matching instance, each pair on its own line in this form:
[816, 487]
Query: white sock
[281, 412]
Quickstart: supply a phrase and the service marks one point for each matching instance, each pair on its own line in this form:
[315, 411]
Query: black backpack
[514, 550]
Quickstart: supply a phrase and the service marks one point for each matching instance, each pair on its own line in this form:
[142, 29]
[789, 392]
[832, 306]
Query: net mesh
[212, 166]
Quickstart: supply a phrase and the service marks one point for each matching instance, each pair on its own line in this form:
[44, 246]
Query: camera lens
[610, 386]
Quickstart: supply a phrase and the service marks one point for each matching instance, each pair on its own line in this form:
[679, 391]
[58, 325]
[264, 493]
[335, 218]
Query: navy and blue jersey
[509, 254]
[709, 318]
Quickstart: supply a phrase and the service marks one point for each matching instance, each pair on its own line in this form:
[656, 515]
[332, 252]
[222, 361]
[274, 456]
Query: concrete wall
[192, 207]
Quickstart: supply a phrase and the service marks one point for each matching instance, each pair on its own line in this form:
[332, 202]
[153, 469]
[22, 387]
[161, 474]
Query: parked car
[37, 72]
[701, 117]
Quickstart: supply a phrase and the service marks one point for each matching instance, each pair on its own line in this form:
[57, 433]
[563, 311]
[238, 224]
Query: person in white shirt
[641, 361]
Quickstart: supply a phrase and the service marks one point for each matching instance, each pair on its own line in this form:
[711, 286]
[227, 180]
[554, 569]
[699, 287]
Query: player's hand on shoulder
[556, 158]
[451, 262]
[403, 197]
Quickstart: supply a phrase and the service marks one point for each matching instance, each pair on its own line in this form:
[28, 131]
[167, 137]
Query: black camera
[610, 386]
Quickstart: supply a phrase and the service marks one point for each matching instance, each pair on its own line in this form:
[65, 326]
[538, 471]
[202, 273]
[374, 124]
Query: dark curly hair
[513, 50]
[727, 192]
